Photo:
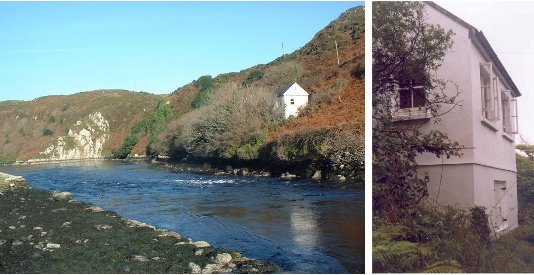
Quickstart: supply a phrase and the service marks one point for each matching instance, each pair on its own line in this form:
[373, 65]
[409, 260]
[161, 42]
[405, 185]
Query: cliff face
[86, 143]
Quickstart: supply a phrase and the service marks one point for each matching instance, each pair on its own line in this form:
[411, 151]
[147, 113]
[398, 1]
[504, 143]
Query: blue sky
[50, 48]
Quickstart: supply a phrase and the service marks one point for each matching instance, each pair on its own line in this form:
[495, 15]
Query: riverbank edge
[201, 256]
[333, 169]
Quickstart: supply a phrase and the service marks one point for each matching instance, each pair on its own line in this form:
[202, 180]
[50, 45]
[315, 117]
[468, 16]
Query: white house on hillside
[292, 97]
[486, 125]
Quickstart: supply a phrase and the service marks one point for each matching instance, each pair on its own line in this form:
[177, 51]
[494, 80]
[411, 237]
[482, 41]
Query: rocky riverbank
[43, 232]
[338, 166]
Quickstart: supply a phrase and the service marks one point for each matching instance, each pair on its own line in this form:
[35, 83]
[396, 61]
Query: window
[412, 98]
[509, 112]
[292, 101]
[488, 92]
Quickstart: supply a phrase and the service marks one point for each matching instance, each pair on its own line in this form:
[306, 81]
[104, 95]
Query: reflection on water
[305, 227]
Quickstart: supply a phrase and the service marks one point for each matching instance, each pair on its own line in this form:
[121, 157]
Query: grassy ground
[43, 232]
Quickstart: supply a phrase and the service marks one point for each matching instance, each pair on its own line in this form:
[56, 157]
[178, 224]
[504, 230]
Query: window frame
[489, 92]
[509, 110]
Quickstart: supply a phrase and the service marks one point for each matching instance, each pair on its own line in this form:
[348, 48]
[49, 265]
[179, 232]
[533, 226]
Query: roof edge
[479, 36]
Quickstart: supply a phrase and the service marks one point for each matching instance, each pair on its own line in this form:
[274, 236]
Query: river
[303, 226]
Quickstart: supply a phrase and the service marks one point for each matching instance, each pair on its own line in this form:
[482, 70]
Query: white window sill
[489, 124]
[508, 137]
[411, 114]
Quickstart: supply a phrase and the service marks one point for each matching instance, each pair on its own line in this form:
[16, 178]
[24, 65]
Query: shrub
[127, 145]
[206, 84]
[52, 119]
[201, 99]
[233, 121]
[47, 132]
[254, 75]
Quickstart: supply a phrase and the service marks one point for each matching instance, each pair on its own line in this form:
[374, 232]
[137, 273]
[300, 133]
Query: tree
[206, 83]
[525, 173]
[47, 132]
[254, 75]
[406, 51]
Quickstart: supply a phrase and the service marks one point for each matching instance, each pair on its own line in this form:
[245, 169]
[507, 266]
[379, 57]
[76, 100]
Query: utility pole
[283, 50]
[337, 54]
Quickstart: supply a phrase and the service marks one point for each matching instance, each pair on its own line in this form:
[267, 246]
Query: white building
[486, 125]
[292, 97]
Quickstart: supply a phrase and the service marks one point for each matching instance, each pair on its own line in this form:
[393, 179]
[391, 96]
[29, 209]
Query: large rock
[9, 181]
[62, 196]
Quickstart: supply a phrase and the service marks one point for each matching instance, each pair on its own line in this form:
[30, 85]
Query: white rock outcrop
[85, 143]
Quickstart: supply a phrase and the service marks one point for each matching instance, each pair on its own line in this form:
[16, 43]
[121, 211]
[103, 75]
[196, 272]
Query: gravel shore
[44, 232]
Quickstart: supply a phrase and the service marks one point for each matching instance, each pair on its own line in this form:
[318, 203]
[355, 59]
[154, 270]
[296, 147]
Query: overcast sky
[507, 26]
[50, 48]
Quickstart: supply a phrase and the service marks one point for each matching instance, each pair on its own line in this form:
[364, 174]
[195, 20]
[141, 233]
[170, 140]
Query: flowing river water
[303, 226]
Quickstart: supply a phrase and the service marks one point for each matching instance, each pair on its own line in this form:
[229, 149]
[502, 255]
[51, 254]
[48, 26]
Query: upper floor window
[488, 92]
[292, 101]
[509, 112]
[412, 98]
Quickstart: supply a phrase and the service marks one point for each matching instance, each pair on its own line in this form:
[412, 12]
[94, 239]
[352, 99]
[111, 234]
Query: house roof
[280, 91]
[482, 42]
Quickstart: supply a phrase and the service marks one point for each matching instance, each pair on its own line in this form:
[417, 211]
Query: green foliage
[52, 119]
[253, 76]
[47, 132]
[158, 121]
[250, 150]
[64, 108]
[303, 144]
[21, 132]
[205, 83]
[393, 255]
[479, 223]
[8, 160]
[527, 149]
[69, 143]
[127, 145]
[525, 180]
[201, 99]
[151, 126]
[440, 236]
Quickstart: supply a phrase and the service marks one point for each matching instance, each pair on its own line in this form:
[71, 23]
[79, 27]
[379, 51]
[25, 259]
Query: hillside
[338, 88]
[229, 118]
[97, 121]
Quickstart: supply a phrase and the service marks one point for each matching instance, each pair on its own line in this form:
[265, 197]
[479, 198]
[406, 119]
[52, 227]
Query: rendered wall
[490, 153]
